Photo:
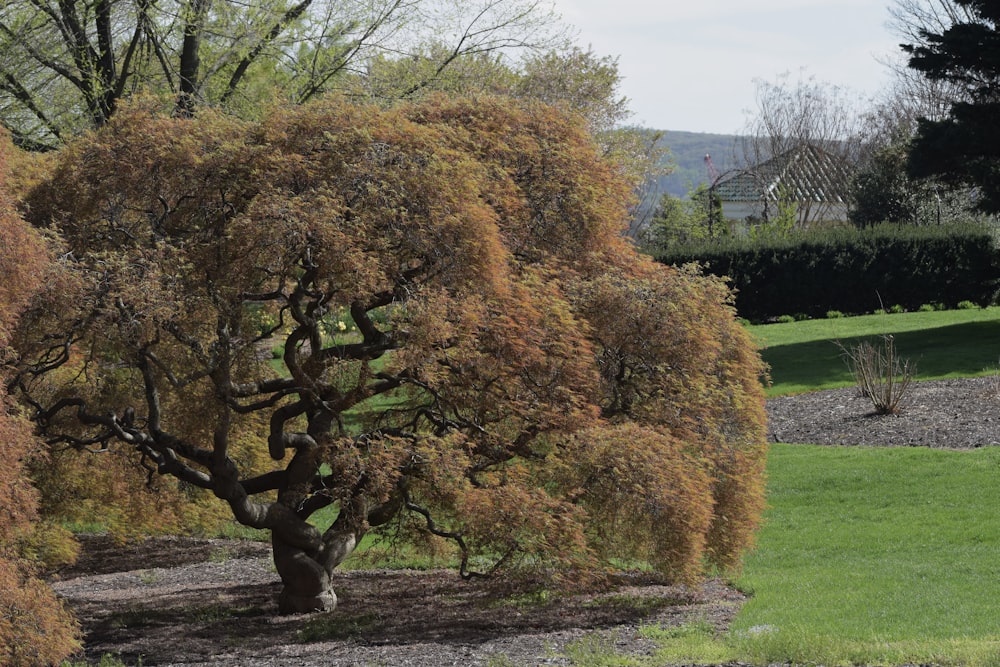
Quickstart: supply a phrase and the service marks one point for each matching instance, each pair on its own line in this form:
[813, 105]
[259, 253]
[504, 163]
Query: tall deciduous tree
[796, 115]
[911, 94]
[964, 147]
[791, 113]
[67, 64]
[34, 627]
[518, 381]
[677, 221]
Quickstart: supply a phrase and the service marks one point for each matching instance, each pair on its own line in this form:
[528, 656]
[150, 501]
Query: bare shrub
[993, 384]
[881, 375]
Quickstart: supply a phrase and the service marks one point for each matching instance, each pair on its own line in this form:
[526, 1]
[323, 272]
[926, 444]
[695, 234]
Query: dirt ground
[179, 601]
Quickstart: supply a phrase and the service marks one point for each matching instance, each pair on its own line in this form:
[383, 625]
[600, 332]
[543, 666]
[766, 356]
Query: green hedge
[854, 270]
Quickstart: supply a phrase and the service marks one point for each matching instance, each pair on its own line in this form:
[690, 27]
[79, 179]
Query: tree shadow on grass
[958, 350]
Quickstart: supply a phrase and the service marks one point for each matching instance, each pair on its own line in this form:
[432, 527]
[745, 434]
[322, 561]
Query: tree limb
[279, 26]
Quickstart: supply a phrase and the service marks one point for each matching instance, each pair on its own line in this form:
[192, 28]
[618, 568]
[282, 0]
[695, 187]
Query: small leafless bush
[993, 384]
[881, 375]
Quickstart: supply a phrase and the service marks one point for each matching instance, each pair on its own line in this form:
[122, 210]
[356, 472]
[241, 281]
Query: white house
[811, 178]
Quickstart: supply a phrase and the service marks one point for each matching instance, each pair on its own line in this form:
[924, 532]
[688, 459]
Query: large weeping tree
[420, 321]
[66, 65]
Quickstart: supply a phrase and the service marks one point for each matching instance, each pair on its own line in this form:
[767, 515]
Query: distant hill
[687, 154]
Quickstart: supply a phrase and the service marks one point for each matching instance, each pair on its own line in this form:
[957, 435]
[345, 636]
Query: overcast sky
[690, 64]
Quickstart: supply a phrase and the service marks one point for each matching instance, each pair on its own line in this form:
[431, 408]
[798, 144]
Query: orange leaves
[526, 529]
[651, 334]
[648, 498]
[673, 357]
[554, 193]
[406, 198]
[462, 326]
[22, 259]
[372, 466]
[23, 255]
[17, 497]
[157, 176]
[34, 627]
[439, 469]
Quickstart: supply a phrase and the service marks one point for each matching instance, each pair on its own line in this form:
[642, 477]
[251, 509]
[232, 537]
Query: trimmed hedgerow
[854, 270]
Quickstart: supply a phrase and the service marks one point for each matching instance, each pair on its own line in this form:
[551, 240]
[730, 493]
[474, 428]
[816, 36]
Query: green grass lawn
[805, 356]
[882, 556]
[867, 556]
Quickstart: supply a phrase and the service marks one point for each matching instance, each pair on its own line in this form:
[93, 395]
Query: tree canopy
[66, 65]
[964, 147]
[467, 350]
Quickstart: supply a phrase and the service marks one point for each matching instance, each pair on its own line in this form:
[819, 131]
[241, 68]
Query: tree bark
[307, 585]
[306, 574]
[190, 59]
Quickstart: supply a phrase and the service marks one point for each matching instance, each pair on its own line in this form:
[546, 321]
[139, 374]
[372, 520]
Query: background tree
[522, 383]
[962, 148]
[913, 20]
[35, 629]
[793, 115]
[678, 221]
[912, 95]
[882, 190]
[782, 218]
[66, 65]
[579, 80]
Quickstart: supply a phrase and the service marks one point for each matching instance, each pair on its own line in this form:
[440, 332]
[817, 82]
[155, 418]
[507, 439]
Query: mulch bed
[946, 414]
[179, 601]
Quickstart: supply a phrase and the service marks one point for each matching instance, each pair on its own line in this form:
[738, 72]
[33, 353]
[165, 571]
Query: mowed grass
[882, 556]
[807, 356]
[875, 556]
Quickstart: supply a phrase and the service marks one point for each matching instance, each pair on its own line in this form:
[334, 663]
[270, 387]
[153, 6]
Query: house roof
[805, 173]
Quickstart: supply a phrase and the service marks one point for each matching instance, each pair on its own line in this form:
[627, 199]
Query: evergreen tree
[964, 147]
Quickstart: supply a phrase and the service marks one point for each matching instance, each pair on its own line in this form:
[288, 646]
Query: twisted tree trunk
[307, 585]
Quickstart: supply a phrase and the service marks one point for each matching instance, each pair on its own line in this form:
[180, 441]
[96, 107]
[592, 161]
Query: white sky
[690, 64]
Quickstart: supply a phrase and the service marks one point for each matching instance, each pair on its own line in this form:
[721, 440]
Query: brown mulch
[946, 414]
[179, 601]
